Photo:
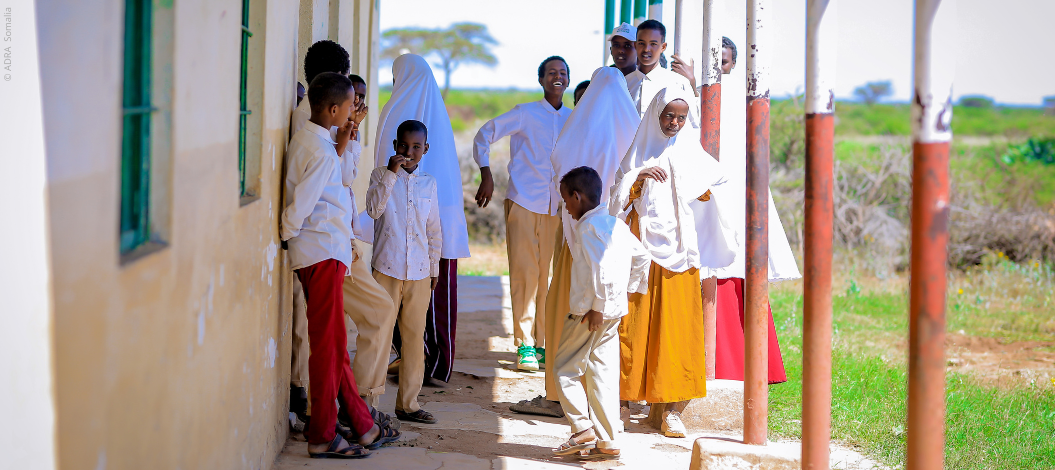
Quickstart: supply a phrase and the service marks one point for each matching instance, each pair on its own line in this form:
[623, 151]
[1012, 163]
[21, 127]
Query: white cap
[626, 30]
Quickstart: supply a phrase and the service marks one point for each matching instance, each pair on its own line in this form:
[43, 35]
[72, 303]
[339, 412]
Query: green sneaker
[540, 355]
[526, 358]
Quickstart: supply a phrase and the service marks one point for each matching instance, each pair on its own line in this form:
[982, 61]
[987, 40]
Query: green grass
[466, 106]
[986, 427]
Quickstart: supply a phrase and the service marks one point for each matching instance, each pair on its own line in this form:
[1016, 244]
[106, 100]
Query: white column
[933, 70]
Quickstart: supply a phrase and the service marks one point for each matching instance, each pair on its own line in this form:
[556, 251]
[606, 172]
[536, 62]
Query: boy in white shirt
[316, 228]
[608, 263]
[531, 205]
[407, 239]
[649, 78]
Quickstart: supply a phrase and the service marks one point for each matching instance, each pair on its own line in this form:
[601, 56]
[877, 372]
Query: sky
[1006, 52]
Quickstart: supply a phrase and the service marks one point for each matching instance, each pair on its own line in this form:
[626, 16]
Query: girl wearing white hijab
[415, 95]
[597, 134]
[664, 171]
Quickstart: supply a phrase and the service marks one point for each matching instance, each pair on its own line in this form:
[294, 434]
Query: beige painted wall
[179, 359]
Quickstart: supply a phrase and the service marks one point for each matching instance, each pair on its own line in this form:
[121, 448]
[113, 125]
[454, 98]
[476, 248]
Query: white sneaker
[672, 425]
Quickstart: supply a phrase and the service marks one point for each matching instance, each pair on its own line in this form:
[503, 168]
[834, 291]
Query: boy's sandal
[535, 407]
[387, 435]
[598, 454]
[572, 447]
[420, 416]
[334, 451]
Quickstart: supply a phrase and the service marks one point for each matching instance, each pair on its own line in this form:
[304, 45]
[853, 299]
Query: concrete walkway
[476, 430]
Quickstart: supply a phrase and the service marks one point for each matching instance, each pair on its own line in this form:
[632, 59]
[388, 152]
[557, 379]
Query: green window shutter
[244, 112]
[135, 142]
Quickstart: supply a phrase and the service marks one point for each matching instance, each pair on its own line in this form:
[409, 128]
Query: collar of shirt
[600, 209]
[318, 130]
[549, 107]
[403, 173]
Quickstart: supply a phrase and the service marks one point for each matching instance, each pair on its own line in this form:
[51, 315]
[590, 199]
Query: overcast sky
[1006, 48]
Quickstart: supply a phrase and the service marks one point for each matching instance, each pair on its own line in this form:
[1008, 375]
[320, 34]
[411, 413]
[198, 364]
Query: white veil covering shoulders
[415, 95]
[597, 134]
[666, 221]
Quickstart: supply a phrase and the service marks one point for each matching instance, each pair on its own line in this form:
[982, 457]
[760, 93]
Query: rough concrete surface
[476, 430]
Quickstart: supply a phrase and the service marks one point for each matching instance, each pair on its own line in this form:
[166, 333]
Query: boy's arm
[596, 291]
[434, 232]
[381, 183]
[306, 194]
[350, 163]
[640, 262]
[501, 126]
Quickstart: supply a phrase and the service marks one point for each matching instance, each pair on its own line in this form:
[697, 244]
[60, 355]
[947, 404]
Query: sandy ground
[475, 428]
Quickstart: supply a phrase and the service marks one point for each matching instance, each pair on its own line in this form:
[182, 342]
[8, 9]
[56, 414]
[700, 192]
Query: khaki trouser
[412, 301]
[529, 245]
[588, 372]
[368, 308]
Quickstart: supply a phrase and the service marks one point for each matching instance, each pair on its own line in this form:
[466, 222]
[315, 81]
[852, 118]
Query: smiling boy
[531, 203]
[404, 202]
[649, 77]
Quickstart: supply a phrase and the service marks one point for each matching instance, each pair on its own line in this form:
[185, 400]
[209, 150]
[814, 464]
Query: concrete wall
[179, 358]
[25, 281]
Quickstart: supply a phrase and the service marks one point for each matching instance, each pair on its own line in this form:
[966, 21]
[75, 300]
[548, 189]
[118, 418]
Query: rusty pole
[934, 65]
[710, 123]
[756, 282]
[817, 297]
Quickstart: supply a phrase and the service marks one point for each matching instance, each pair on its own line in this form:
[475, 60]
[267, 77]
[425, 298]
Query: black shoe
[298, 402]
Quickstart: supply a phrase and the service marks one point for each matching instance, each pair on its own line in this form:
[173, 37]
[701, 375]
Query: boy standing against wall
[608, 262]
[407, 240]
[531, 205]
[316, 225]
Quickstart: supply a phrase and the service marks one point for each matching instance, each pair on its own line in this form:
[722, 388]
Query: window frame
[243, 103]
[134, 226]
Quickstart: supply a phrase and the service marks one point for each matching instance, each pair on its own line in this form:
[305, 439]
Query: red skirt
[729, 338]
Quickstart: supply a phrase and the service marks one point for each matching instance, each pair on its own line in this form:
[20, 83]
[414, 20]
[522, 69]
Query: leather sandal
[573, 447]
[420, 416]
[387, 435]
[335, 451]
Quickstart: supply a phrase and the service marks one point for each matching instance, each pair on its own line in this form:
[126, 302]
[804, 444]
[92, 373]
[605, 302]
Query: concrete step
[722, 410]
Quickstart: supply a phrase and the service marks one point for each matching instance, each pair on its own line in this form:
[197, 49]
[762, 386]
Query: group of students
[617, 196]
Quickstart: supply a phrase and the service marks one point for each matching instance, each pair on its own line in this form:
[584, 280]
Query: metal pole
[626, 11]
[710, 124]
[655, 10]
[934, 65]
[640, 11]
[756, 282]
[817, 297]
[609, 25]
[678, 22]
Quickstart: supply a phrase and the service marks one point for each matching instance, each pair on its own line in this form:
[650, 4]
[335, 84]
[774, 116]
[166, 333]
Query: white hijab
[667, 227]
[415, 95]
[597, 134]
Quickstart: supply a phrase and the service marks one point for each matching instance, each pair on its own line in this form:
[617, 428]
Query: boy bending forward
[608, 262]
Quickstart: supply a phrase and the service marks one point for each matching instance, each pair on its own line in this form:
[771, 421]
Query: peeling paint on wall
[201, 326]
[272, 352]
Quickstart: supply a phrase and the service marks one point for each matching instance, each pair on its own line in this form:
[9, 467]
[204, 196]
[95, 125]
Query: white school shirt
[407, 232]
[317, 217]
[533, 129]
[643, 87]
[349, 161]
[608, 263]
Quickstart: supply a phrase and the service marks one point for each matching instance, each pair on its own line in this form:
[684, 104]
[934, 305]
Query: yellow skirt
[558, 301]
[661, 339]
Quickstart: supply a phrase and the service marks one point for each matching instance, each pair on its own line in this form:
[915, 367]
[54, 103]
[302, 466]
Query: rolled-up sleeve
[505, 125]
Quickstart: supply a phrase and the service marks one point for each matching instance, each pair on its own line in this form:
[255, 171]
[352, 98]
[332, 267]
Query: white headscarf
[415, 95]
[597, 134]
[667, 227]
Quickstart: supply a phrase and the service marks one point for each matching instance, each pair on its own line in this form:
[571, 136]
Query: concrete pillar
[655, 10]
[28, 440]
[817, 298]
[710, 67]
[934, 65]
[640, 11]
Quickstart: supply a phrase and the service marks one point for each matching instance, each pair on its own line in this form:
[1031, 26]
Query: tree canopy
[872, 92]
[458, 44]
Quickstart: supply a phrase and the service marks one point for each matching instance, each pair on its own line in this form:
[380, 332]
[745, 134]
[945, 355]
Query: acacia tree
[872, 92]
[460, 43]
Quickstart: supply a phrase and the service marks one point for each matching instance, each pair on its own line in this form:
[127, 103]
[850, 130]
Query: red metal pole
[756, 282]
[710, 131]
[932, 116]
[818, 231]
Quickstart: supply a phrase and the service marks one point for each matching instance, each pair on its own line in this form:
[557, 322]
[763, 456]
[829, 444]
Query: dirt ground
[1001, 364]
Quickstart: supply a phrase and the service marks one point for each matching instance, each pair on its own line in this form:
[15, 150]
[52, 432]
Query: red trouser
[329, 370]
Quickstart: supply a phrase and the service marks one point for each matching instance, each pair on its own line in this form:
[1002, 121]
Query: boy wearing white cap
[649, 78]
[531, 203]
[624, 51]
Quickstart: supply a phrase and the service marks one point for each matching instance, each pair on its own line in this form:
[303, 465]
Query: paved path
[476, 430]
